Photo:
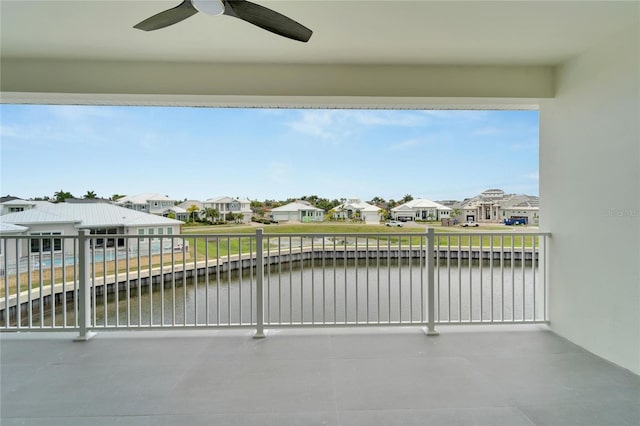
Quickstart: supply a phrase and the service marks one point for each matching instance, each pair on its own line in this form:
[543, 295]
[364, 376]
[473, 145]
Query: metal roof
[9, 228]
[144, 198]
[87, 216]
[294, 207]
[420, 203]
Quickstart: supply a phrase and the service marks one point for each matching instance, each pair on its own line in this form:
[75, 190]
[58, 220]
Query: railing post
[431, 300]
[84, 286]
[259, 334]
[544, 273]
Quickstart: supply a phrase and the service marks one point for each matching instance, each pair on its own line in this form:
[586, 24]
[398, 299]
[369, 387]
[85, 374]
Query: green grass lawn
[236, 243]
[339, 227]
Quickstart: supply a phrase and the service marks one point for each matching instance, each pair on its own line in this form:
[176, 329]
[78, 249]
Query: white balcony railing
[273, 280]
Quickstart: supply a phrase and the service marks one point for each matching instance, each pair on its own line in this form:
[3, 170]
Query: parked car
[516, 221]
[394, 223]
[469, 223]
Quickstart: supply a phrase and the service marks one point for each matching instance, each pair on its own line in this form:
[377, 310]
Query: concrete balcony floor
[381, 376]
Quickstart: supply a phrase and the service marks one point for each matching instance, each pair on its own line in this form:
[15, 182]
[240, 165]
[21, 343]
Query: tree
[192, 210]
[384, 214]
[212, 214]
[406, 199]
[116, 197]
[378, 201]
[90, 195]
[61, 195]
[171, 215]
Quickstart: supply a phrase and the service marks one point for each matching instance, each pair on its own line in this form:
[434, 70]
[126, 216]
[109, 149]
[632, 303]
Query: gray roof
[143, 198]
[420, 203]
[223, 199]
[17, 202]
[295, 207]
[87, 216]
[356, 204]
[8, 228]
[36, 216]
[188, 203]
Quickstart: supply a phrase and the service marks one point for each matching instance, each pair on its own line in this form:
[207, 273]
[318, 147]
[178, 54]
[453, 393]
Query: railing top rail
[294, 234]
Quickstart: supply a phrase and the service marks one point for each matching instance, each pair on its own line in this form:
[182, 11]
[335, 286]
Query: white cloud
[320, 123]
[73, 113]
[340, 124]
[9, 131]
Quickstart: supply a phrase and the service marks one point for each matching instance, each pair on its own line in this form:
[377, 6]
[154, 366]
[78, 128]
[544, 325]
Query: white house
[298, 211]
[66, 219]
[148, 203]
[8, 248]
[494, 206]
[226, 205]
[421, 209]
[18, 205]
[355, 208]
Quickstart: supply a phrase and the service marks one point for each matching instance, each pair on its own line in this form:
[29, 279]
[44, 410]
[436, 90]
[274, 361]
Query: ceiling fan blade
[267, 19]
[168, 17]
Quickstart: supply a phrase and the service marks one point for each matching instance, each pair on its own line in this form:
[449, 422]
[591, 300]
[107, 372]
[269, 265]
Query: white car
[470, 223]
[394, 223]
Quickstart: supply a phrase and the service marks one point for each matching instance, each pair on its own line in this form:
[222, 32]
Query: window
[109, 242]
[169, 231]
[140, 231]
[16, 209]
[160, 231]
[150, 231]
[44, 245]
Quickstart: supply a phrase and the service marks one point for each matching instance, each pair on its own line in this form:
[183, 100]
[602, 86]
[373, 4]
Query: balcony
[375, 376]
[263, 281]
[342, 314]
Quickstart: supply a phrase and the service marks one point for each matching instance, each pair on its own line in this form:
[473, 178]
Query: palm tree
[90, 195]
[212, 213]
[406, 199]
[192, 210]
[61, 195]
[384, 214]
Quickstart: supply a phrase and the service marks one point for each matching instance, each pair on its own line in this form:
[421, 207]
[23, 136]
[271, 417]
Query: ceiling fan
[253, 13]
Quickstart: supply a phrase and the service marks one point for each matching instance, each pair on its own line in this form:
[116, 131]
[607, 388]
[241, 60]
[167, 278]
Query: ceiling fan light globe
[210, 7]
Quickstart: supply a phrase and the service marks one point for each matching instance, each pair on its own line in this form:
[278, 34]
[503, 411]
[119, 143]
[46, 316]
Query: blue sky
[200, 153]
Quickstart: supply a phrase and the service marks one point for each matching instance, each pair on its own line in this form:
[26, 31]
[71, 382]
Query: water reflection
[386, 291]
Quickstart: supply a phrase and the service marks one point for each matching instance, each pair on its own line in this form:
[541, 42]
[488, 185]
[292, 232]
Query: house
[577, 63]
[494, 206]
[17, 205]
[239, 207]
[421, 209]
[356, 208]
[66, 219]
[184, 207]
[298, 211]
[148, 203]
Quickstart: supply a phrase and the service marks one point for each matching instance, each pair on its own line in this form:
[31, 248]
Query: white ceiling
[345, 32]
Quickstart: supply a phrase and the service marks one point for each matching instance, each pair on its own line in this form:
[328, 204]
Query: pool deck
[480, 375]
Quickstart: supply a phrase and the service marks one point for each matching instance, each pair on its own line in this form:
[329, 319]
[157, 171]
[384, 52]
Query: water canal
[339, 292]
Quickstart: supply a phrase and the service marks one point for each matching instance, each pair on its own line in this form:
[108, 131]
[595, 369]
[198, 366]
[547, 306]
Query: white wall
[589, 155]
